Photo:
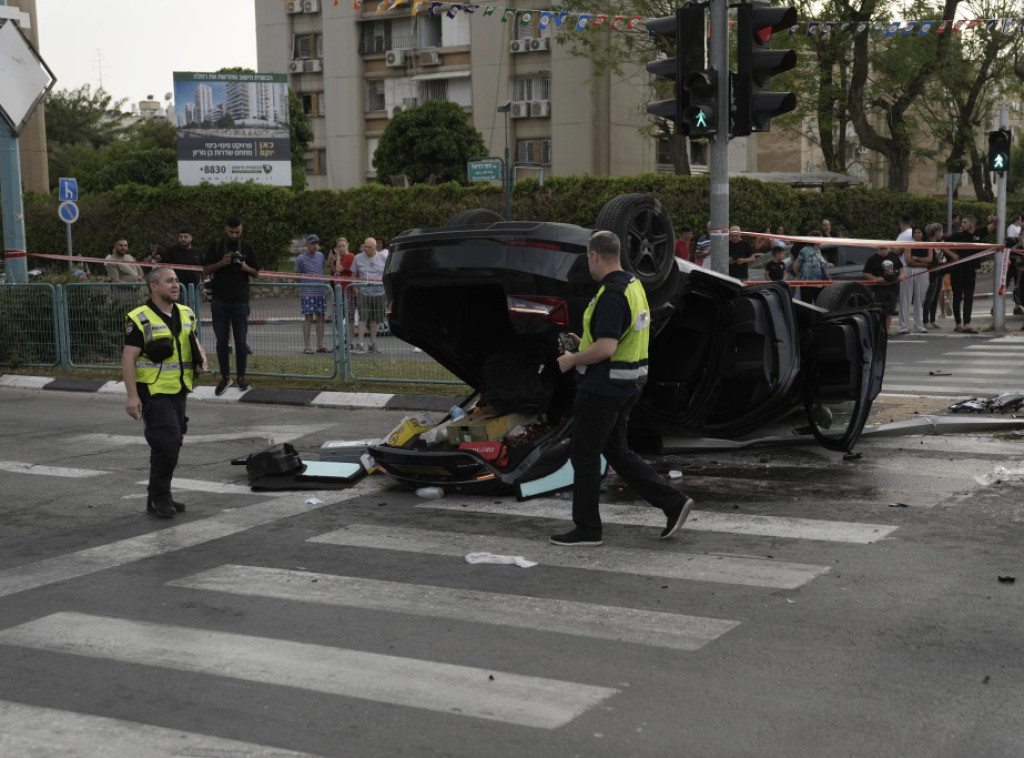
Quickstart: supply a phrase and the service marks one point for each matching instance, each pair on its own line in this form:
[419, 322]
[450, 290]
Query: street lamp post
[505, 108]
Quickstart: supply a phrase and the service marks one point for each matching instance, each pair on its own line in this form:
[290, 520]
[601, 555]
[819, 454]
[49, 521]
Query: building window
[698, 154]
[374, 95]
[315, 162]
[379, 36]
[313, 103]
[436, 89]
[307, 47]
[532, 87]
[533, 151]
[664, 152]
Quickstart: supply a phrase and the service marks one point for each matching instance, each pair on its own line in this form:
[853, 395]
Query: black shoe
[223, 384]
[575, 538]
[243, 384]
[179, 507]
[677, 516]
[161, 506]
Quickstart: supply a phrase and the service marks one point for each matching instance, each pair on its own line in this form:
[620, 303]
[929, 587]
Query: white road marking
[16, 381]
[272, 435]
[671, 630]
[71, 565]
[18, 467]
[352, 399]
[29, 730]
[214, 488]
[706, 521]
[725, 569]
[441, 687]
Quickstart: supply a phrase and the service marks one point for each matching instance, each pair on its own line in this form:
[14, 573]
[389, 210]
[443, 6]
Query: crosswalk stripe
[961, 389]
[18, 467]
[670, 630]
[441, 687]
[214, 488]
[63, 567]
[271, 435]
[30, 730]
[983, 352]
[672, 564]
[702, 521]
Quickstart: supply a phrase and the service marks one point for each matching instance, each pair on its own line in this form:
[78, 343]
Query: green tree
[301, 131]
[429, 142]
[81, 116]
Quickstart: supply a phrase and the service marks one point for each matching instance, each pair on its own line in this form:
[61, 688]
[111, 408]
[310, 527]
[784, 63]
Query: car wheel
[844, 296]
[645, 231]
[475, 216]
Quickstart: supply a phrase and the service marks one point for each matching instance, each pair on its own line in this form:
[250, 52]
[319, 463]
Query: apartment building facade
[355, 69]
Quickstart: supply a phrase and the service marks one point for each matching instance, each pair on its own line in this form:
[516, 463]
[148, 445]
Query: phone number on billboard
[208, 169]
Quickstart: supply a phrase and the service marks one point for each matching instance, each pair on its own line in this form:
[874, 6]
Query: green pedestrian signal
[702, 89]
[999, 150]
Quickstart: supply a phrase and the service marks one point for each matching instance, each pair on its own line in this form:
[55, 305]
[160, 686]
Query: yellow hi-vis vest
[167, 377]
[629, 361]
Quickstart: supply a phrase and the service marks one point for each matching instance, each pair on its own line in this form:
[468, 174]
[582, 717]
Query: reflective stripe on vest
[628, 364]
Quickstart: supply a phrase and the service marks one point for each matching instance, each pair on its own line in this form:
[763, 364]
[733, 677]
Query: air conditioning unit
[409, 102]
[545, 43]
[293, 6]
[296, 67]
[540, 108]
[430, 58]
[314, 65]
[310, 6]
[520, 110]
[536, 44]
[395, 58]
[518, 46]
[395, 110]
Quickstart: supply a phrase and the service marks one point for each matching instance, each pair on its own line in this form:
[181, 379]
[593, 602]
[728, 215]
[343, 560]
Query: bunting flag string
[586, 20]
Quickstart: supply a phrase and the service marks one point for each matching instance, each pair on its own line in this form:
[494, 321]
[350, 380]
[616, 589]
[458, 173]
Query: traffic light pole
[999, 275]
[719, 159]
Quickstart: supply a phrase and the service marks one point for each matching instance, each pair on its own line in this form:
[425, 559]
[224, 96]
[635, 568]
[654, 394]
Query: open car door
[847, 363]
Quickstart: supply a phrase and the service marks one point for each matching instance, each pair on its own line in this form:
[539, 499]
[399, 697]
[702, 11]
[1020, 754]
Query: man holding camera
[232, 263]
[159, 363]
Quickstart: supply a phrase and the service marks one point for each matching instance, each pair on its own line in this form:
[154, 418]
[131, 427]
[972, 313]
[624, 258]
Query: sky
[133, 47]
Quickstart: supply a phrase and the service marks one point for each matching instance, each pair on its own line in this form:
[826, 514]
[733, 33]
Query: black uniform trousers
[601, 427]
[165, 425]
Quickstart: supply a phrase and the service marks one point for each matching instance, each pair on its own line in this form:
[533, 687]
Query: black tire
[475, 216]
[844, 296]
[645, 231]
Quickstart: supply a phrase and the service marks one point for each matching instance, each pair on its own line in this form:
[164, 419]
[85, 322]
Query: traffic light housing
[699, 116]
[683, 35]
[756, 63]
[999, 150]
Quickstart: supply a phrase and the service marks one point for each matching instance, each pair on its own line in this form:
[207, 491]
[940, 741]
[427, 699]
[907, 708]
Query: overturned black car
[487, 299]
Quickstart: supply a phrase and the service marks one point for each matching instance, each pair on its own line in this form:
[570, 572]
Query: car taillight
[552, 309]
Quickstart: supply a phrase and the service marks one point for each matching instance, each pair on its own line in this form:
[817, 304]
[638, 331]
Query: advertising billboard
[232, 127]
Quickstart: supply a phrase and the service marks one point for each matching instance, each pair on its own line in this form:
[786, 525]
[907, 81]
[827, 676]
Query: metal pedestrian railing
[81, 325]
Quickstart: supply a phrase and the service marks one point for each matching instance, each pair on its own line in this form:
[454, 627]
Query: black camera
[236, 259]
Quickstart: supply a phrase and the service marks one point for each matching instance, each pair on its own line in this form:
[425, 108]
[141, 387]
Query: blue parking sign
[68, 189]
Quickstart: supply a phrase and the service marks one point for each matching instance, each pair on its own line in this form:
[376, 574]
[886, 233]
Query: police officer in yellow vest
[612, 363]
[160, 360]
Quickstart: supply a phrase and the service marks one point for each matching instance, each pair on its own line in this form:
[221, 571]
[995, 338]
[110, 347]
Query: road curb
[256, 395]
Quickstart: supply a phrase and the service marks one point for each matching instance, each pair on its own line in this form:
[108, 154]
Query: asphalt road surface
[813, 606]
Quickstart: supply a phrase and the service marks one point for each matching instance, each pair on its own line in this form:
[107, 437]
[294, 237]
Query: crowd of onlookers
[916, 278]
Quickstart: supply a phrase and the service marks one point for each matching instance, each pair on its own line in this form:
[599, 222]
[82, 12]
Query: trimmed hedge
[275, 216]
